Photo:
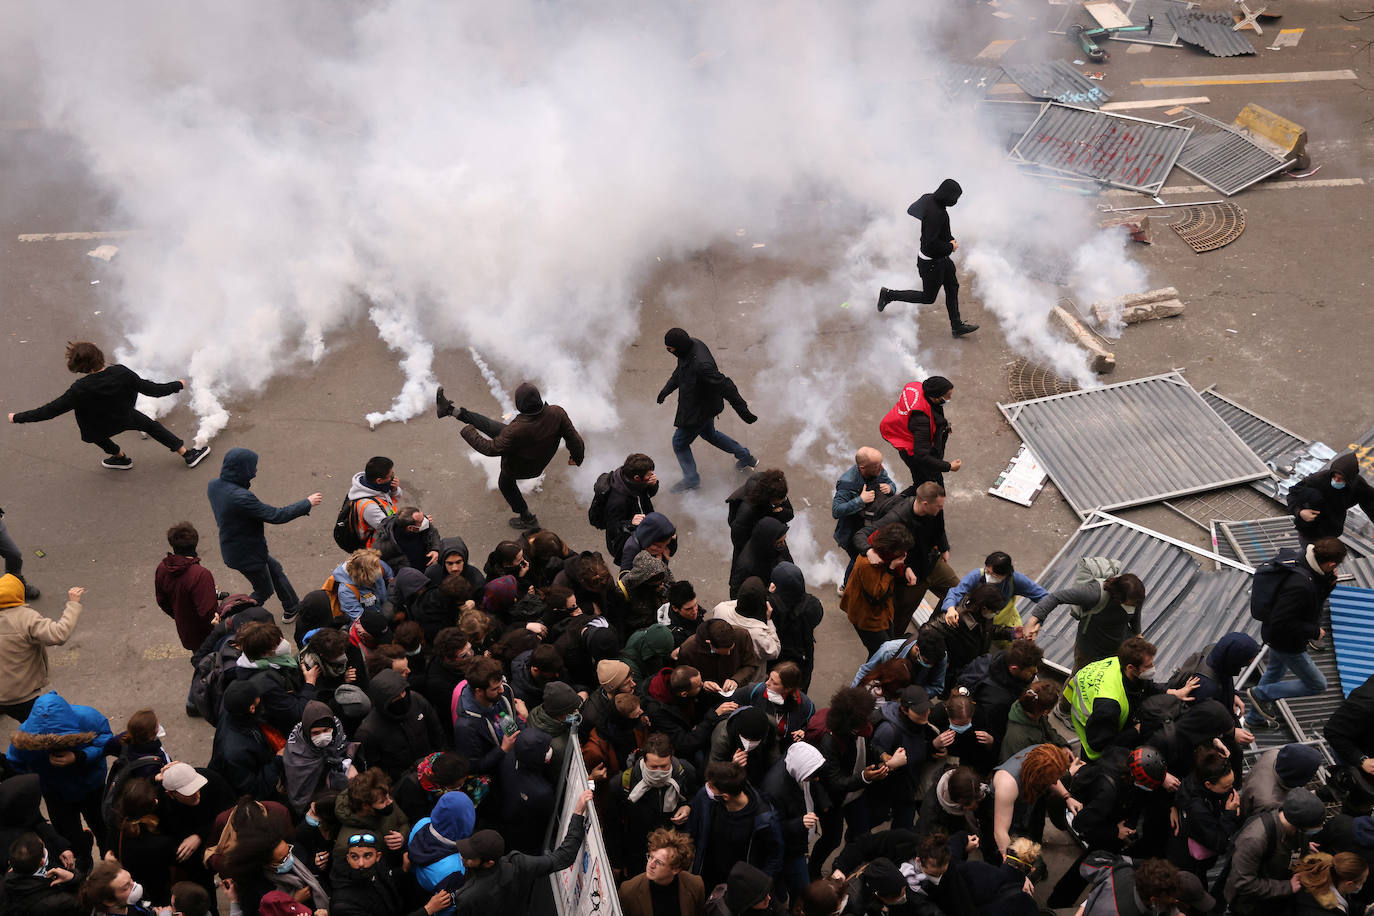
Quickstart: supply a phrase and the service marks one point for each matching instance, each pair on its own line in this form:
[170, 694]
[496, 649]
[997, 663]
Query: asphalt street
[1278, 320]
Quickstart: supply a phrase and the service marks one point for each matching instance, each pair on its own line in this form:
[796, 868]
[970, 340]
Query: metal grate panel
[1213, 32]
[1127, 152]
[1163, 33]
[1132, 443]
[1223, 157]
[1187, 607]
[1208, 227]
[1056, 80]
[1232, 503]
[1253, 542]
[1352, 633]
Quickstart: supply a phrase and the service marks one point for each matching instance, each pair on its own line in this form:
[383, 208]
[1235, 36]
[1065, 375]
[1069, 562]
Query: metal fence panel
[1223, 157]
[1115, 149]
[1132, 443]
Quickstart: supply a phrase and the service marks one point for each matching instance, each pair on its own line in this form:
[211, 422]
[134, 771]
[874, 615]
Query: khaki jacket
[25, 635]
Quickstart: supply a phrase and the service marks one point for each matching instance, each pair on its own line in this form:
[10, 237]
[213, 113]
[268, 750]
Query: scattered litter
[1232, 331]
[1287, 38]
[1245, 19]
[104, 252]
[759, 245]
[1080, 63]
[1001, 15]
[1020, 480]
[739, 232]
[96, 312]
[1138, 227]
[1209, 227]
[1096, 75]
[844, 305]
[1308, 174]
[94, 282]
[1108, 15]
[1138, 49]
[1175, 110]
[1137, 307]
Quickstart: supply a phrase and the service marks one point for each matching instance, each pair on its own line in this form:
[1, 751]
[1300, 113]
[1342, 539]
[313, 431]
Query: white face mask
[424, 525]
[283, 648]
[135, 893]
[1147, 674]
[844, 902]
[994, 579]
[161, 732]
[750, 743]
[1128, 608]
[934, 879]
[774, 697]
[323, 740]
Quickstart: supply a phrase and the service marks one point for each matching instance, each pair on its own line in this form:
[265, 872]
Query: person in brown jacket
[25, 635]
[724, 654]
[871, 586]
[525, 446]
[666, 879]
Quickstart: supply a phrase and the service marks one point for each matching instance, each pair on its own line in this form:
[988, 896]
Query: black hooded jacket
[19, 814]
[760, 554]
[624, 501]
[932, 211]
[1315, 492]
[241, 753]
[796, 615]
[31, 895]
[702, 389]
[394, 738]
[240, 515]
[103, 401]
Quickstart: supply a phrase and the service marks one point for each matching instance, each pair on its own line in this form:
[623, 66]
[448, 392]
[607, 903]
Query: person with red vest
[916, 427]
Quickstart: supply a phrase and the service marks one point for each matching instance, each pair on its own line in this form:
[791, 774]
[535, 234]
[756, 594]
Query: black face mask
[399, 706]
[366, 874]
[387, 810]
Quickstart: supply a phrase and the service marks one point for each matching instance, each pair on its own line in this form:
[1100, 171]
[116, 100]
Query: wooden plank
[1247, 79]
[1108, 15]
[1156, 103]
[995, 49]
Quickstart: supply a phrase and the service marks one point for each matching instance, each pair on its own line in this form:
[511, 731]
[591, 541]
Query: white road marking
[77, 236]
[1273, 185]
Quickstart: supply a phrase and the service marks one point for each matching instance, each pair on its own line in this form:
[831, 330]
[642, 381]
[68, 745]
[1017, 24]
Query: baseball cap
[484, 845]
[182, 779]
[916, 698]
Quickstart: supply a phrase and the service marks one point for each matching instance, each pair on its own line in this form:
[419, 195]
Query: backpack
[331, 585]
[1117, 871]
[1194, 665]
[1094, 569]
[975, 672]
[1157, 714]
[124, 768]
[1269, 578]
[209, 680]
[601, 494]
[349, 521]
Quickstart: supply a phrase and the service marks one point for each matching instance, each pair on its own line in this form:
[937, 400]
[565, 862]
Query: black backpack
[125, 767]
[1194, 665]
[346, 525]
[1157, 714]
[210, 679]
[1269, 578]
[601, 494]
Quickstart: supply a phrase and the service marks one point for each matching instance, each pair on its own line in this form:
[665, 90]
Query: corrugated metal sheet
[1132, 443]
[1352, 632]
[1187, 608]
[1213, 32]
[1224, 157]
[1265, 437]
[1010, 121]
[1163, 32]
[1056, 80]
[968, 80]
[1127, 152]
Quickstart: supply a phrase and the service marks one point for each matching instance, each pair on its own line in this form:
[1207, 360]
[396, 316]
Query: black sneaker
[31, 592]
[118, 462]
[1318, 645]
[1265, 708]
[524, 522]
[442, 405]
[963, 328]
[747, 464]
[884, 297]
[195, 456]
[682, 486]
[1264, 725]
[289, 614]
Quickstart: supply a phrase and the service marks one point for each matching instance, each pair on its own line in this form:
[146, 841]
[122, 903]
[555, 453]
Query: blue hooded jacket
[56, 725]
[241, 515]
[432, 845]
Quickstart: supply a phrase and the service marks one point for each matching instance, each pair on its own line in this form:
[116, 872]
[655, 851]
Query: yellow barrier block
[1288, 137]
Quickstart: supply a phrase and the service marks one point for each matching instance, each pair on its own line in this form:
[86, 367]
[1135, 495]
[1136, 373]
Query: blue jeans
[1310, 680]
[270, 578]
[682, 447]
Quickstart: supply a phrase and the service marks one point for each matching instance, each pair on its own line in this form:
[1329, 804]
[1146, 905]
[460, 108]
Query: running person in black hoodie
[933, 260]
[103, 399]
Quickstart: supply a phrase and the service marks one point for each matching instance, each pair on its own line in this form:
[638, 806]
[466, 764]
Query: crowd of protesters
[392, 743]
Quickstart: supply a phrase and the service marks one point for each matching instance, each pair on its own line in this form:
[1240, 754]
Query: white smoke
[506, 176]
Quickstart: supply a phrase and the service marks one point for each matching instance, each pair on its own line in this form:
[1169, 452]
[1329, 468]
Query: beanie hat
[1296, 764]
[352, 701]
[453, 816]
[612, 673]
[752, 601]
[937, 386]
[745, 887]
[602, 642]
[884, 878]
[1303, 809]
[375, 624]
[499, 594]
[751, 722]
[527, 399]
[560, 700]
[677, 338]
[657, 640]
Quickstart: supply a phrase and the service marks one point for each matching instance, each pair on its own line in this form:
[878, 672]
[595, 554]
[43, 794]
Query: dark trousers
[936, 274]
[65, 816]
[919, 475]
[18, 711]
[504, 481]
[854, 817]
[872, 639]
[270, 578]
[138, 422]
[14, 557]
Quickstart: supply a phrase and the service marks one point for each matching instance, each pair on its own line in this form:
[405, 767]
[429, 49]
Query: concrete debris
[1137, 226]
[1137, 307]
[1104, 360]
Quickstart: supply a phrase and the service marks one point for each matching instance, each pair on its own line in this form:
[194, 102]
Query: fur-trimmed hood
[54, 725]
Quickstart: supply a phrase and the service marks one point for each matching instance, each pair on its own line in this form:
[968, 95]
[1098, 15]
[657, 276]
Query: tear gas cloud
[505, 177]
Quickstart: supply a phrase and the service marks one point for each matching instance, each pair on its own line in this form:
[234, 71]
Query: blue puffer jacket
[56, 725]
[241, 515]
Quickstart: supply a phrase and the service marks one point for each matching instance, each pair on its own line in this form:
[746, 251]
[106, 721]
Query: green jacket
[1023, 733]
